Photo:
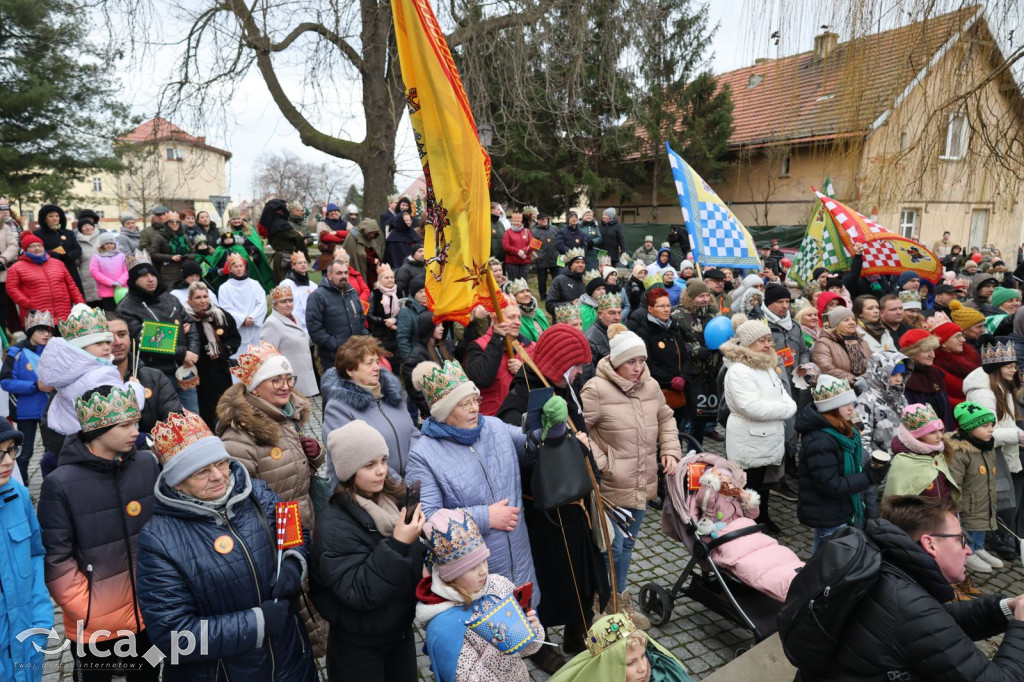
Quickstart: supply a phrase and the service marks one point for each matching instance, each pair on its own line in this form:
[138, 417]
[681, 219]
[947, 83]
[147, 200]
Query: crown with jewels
[251, 360]
[38, 318]
[573, 254]
[84, 321]
[515, 286]
[120, 405]
[137, 258]
[609, 630]
[911, 299]
[607, 301]
[177, 433]
[998, 353]
[826, 390]
[280, 294]
[590, 275]
[442, 380]
[917, 416]
[455, 542]
[568, 314]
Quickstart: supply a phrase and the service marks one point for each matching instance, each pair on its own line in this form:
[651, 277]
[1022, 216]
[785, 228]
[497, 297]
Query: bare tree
[287, 176]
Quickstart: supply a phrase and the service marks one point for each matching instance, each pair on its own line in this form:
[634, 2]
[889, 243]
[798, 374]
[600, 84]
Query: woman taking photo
[220, 340]
[840, 350]
[926, 384]
[358, 388]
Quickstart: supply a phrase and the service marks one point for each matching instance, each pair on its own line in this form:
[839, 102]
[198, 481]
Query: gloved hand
[310, 446]
[554, 412]
[876, 474]
[290, 580]
[678, 384]
[275, 616]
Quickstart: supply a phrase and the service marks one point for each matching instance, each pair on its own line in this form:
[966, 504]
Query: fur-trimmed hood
[242, 411]
[734, 352]
[350, 393]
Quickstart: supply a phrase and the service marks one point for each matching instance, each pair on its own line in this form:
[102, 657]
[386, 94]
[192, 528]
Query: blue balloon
[718, 331]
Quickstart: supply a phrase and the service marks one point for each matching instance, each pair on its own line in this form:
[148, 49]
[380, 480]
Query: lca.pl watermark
[183, 643]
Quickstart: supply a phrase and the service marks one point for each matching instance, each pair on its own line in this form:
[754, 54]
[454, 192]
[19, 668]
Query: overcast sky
[255, 125]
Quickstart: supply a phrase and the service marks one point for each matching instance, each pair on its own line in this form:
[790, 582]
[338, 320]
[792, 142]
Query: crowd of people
[172, 377]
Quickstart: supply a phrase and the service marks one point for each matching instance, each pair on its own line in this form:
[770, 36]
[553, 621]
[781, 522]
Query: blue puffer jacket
[346, 401]
[184, 583]
[25, 601]
[19, 379]
[473, 477]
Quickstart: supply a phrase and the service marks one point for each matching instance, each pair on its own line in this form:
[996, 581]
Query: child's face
[983, 432]
[846, 411]
[933, 438]
[109, 246]
[473, 580]
[100, 349]
[638, 668]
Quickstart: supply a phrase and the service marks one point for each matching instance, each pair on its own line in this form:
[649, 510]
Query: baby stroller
[702, 580]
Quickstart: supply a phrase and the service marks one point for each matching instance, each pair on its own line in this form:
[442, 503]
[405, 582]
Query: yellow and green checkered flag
[821, 246]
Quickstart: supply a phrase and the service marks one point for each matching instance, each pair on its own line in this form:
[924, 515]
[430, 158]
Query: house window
[30, 217]
[101, 214]
[904, 142]
[784, 168]
[956, 137]
[175, 154]
[908, 223]
[979, 227]
[97, 184]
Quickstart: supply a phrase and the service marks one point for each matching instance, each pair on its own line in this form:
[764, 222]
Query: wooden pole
[492, 289]
[603, 520]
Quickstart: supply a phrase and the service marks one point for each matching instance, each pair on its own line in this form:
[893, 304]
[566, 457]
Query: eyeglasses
[963, 538]
[174, 222]
[469, 402]
[224, 466]
[282, 381]
[663, 306]
[13, 451]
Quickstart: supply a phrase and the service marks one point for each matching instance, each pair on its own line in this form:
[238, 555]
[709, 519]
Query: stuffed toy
[722, 497]
[708, 527]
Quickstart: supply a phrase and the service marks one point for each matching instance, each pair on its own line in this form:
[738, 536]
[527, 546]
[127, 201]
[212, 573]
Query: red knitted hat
[946, 331]
[912, 337]
[28, 238]
[559, 348]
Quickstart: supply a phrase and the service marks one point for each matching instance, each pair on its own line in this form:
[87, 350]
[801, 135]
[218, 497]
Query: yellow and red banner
[885, 252]
[456, 167]
[289, 525]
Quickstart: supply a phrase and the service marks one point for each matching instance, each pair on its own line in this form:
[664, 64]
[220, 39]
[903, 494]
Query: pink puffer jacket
[108, 270]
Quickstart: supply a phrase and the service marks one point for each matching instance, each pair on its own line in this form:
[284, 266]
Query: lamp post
[485, 131]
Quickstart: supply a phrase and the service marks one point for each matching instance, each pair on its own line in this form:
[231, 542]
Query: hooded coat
[612, 238]
[63, 238]
[362, 249]
[401, 242]
[411, 270]
[973, 301]
[826, 491]
[977, 389]
[880, 405]
[657, 266]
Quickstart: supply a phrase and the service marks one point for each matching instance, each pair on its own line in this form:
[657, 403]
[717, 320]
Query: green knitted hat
[1001, 295]
[972, 415]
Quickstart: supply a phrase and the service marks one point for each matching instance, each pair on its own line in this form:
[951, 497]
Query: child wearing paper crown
[458, 591]
[920, 463]
[972, 466]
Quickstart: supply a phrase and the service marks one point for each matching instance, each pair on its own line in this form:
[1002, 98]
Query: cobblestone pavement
[702, 640]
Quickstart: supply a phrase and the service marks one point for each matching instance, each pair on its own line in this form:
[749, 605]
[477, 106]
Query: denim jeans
[189, 398]
[822, 534]
[695, 430]
[622, 548]
[976, 539]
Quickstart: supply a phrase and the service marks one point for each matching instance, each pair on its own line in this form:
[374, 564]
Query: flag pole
[492, 289]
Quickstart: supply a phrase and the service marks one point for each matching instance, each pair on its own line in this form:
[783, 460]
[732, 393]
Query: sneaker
[976, 563]
[784, 491]
[626, 606]
[990, 559]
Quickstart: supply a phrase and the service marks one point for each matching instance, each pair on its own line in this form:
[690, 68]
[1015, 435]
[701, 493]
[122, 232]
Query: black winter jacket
[565, 288]
[903, 629]
[411, 269]
[332, 317]
[159, 306]
[824, 499]
[613, 240]
[668, 354]
[186, 580]
[547, 256]
[61, 237]
[569, 238]
[363, 583]
[161, 397]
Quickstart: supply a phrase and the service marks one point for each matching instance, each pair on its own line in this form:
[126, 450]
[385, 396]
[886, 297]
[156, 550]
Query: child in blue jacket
[18, 377]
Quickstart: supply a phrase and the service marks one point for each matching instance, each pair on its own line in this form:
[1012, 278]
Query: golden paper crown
[250, 361]
[918, 415]
[120, 405]
[177, 433]
[606, 301]
[137, 258]
[232, 257]
[998, 353]
[454, 542]
[514, 286]
[573, 254]
[590, 275]
[280, 294]
[83, 321]
[442, 380]
[609, 630]
[38, 318]
[568, 314]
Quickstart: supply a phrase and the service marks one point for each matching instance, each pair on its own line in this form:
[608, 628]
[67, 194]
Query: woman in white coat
[285, 332]
[759, 405]
[242, 297]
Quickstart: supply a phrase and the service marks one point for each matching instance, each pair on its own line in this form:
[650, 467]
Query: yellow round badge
[220, 332]
[224, 544]
[276, 453]
[133, 508]
[148, 393]
[28, 366]
[661, 344]
[982, 470]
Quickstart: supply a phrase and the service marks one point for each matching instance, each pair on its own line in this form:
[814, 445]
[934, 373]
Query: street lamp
[485, 131]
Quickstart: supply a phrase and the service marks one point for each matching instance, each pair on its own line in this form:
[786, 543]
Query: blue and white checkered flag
[717, 237]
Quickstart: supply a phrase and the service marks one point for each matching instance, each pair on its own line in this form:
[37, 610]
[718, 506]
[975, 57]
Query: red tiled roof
[159, 129]
[800, 98]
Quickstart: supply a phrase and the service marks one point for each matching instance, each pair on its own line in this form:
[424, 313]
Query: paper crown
[826, 390]
[532, 210]
[38, 318]
[568, 314]
[384, 268]
[653, 281]
[440, 381]
[911, 299]
[998, 353]
[83, 321]
[120, 405]
[918, 415]
[455, 542]
[234, 213]
[250, 361]
[177, 433]
[137, 258]
[609, 630]
[515, 286]
[573, 254]
[590, 275]
[607, 301]
[281, 294]
[232, 257]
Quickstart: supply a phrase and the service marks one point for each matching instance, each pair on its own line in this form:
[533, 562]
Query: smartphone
[412, 498]
[524, 595]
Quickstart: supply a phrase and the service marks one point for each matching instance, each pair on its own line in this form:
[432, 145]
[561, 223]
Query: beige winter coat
[831, 357]
[629, 426]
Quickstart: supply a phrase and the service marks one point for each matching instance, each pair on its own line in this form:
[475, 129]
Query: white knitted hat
[625, 345]
[750, 331]
[831, 392]
[353, 446]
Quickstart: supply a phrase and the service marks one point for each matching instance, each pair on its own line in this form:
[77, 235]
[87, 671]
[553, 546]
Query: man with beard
[161, 397]
[334, 313]
[569, 286]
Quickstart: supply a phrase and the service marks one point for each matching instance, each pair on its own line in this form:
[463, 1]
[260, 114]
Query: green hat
[653, 282]
[972, 415]
[1002, 294]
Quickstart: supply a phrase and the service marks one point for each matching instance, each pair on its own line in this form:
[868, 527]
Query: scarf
[389, 299]
[384, 512]
[664, 325]
[858, 361]
[301, 280]
[216, 505]
[179, 243]
[528, 308]
[784, 322]
[983, 445]
[207, 319]
[376, 391]
[38, 260]
[852, 452]
[811, 332]
[441, 431]
[875, 329]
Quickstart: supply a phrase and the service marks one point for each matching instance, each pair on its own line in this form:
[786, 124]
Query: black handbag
[560, 474]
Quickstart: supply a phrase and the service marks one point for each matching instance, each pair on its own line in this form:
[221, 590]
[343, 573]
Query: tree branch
[476, 29]
[310, 27]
